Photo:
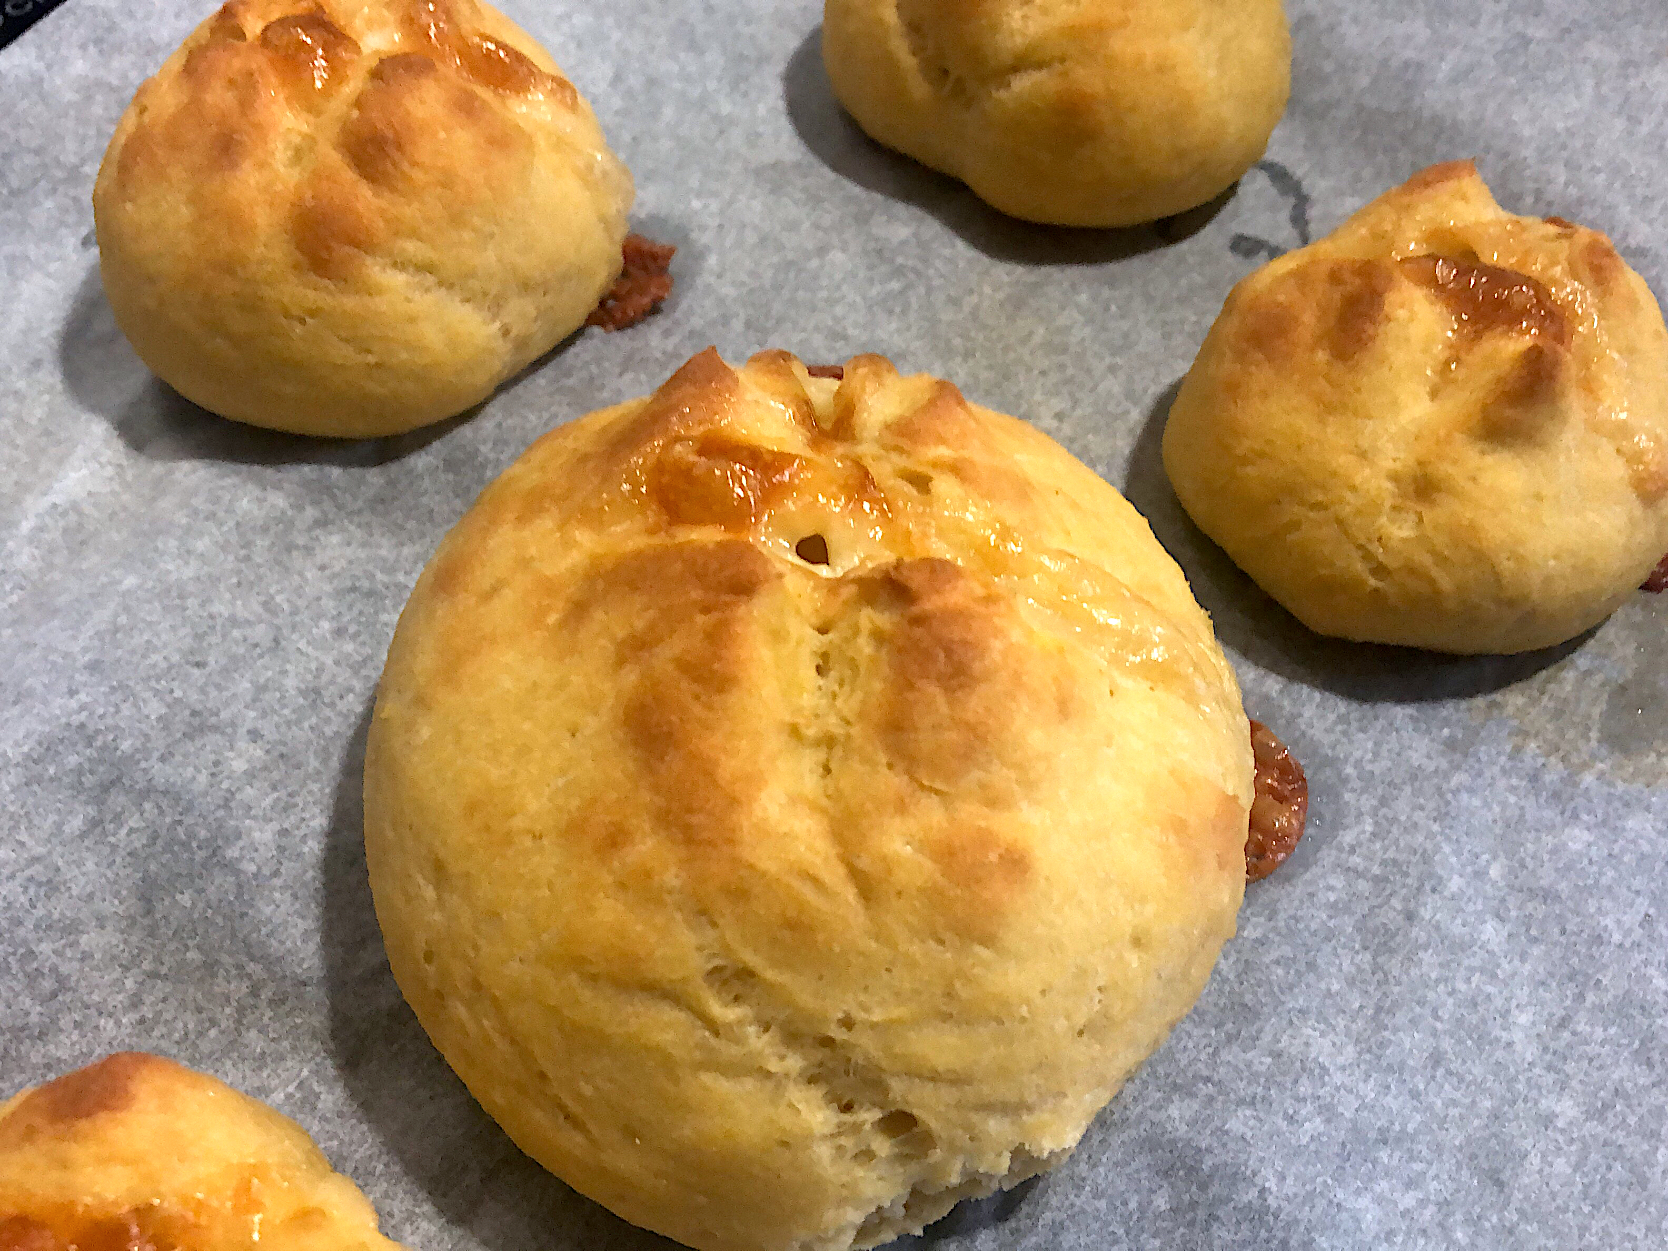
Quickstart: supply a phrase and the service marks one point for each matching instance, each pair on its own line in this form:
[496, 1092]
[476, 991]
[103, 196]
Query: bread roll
[137, 1153]
[1443, 425]
[355, 217]
[793, 805]
[1071, 112]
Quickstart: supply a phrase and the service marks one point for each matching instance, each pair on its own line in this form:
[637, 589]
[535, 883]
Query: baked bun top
[137, 1152]
[353, 218]
[793, 804]
[1443, 425]
[1072, 112]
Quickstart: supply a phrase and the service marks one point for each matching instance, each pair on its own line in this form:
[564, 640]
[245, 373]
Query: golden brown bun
[1072, 112]
[136, 1153]
[355, 218]
[780, 904]
[1442, 425]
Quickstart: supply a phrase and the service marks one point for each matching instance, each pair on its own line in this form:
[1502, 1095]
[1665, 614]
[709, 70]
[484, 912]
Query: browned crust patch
[1436, 175]
[1337, 305]
[989, 872]
[106, 1086]
[24, 1233]
[332, 229]
[693, 642]
[483, 60]
[1487, 298]
[153, 1226]
[1526, 403]
[958, 668]
[714, 480]
[1360, 289]
[309, 50]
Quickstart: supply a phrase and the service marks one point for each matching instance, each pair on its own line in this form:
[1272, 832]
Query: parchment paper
[1441, 1023]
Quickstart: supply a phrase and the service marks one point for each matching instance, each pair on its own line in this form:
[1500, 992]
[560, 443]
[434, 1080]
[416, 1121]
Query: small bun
[1070, 112]
[137, 1152]
[351, 218]
[796, 803]
[1443, 425]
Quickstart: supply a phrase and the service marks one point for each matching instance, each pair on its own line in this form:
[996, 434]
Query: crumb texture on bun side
[138, 1153]
[1069, 112]
[1443, 425]
[796, 803]
[349, 218]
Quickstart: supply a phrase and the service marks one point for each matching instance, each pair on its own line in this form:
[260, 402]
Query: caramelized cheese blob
[797, 800]
[136, 1153]
[355, 219]
[1443, 425]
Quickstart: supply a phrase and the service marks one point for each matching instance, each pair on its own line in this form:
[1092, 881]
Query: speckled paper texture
[1441, 1024]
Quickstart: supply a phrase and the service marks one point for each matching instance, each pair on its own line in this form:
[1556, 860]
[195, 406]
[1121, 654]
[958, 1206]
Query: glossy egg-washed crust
[353, 218]
[1443, 425]
[1072, 112]
[136, 1153]
[778, 900]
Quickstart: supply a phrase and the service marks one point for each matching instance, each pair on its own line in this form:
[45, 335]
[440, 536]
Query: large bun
[1443, 425]
[352, 218]
[1072, 112]
[793, 805]
[136, 1152]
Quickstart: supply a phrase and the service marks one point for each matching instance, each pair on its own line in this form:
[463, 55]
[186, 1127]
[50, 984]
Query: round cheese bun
[1070, 112]
[355, 217]
[795, 804]
[137, 1153]
[1443, 425]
